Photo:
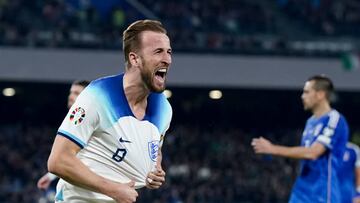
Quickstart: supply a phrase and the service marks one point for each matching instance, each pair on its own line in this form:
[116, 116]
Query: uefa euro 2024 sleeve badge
[77, 115]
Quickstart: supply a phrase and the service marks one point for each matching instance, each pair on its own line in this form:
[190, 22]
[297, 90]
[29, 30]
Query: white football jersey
[115, 144]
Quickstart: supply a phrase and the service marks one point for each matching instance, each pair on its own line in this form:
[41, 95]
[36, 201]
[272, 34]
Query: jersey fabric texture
[114, 144]
[318, 180]
[351, 161]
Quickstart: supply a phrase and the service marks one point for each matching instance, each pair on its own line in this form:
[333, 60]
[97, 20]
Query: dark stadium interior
[207, 152]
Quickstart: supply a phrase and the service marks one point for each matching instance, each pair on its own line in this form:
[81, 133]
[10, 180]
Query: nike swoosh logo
[122, 140]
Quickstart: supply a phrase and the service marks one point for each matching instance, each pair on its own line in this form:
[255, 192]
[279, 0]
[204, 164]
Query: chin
[158, 90]
[307, 109]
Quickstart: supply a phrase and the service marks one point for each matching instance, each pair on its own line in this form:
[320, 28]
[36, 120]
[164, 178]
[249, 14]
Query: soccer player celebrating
[110, 142]
[322, 146]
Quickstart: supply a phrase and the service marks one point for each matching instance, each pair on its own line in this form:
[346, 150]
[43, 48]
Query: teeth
[163, 70]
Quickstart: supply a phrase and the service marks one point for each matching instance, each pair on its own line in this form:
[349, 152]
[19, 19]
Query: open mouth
[161, 73]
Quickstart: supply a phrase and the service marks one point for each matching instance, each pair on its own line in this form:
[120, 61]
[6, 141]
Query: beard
[148, 78]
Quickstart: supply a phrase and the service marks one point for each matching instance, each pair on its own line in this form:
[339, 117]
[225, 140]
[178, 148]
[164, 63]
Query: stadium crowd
[325, 17]
[227, 26]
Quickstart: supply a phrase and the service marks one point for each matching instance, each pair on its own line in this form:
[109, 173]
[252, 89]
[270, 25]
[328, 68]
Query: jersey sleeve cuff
[72, 138]
[51, 176]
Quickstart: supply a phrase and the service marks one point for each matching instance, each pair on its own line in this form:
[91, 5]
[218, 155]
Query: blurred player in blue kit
[322, 146]
[350, 174]
[76, 88]
[110, 142]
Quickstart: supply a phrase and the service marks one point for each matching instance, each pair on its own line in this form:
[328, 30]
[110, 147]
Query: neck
[321, 109]
[135, 90]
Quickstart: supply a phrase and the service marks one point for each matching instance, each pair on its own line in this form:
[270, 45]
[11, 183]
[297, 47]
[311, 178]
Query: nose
[302, 96]
[167, 58]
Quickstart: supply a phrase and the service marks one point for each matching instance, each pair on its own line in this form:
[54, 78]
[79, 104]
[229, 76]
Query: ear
[321, 94]
[133, 59]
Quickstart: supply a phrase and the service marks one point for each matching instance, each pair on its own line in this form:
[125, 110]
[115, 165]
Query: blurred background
[238, 70]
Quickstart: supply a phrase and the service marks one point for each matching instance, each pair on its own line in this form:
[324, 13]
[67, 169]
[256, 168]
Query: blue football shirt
[318, 180]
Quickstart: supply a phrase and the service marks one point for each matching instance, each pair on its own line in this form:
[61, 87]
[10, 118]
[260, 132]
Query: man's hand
[262, 146]
[125, 193]
[155, 179]
[44, 182]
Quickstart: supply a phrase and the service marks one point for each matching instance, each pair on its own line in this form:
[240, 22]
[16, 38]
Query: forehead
[76, 88]
[151, 39]
[309, 85]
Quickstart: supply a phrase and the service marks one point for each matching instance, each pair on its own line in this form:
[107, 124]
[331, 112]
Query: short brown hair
[131, 36]
[82, 83]
[323, 83]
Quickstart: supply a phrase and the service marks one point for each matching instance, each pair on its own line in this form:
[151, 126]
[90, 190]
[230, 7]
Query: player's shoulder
[159, 111]
[335, 114]
[107, 80]
[160, 101]
[159, 97]
[352, 146]
[331, 118]
[334, 118]
[106, 85]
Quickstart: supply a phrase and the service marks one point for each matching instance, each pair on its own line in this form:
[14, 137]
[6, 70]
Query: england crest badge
[153, 148]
